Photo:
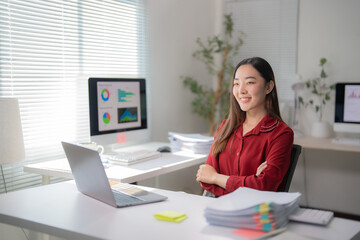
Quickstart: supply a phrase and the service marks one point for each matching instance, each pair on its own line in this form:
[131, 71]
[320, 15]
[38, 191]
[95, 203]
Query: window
[48, 49]
[270, 28]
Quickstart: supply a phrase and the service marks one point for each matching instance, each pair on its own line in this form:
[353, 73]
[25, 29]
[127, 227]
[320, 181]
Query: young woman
[252, 147]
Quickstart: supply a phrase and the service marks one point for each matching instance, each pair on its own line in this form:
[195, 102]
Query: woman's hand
[206, 174]
[261, 168]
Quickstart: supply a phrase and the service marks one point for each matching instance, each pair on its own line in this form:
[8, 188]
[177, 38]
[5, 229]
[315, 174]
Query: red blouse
[271, 141]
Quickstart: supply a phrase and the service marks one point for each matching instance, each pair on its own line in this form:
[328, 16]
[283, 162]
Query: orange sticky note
[257, 234]
[112, 182]
[121, 138]
[249, 233]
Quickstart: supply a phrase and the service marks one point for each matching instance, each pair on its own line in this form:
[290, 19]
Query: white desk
[167, 163]
[324, 144]
[60, 210]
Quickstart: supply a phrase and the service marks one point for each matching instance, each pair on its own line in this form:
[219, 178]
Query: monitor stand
[114, 141]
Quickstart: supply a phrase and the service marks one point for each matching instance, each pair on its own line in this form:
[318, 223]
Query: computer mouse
[163, 149]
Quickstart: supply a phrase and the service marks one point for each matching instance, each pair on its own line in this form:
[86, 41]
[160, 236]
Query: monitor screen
[117, 107]
[347, 107]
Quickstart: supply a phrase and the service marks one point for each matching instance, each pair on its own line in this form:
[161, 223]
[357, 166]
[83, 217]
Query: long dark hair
[237, 116]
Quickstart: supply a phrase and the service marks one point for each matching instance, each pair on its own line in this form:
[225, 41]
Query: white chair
[11, 137]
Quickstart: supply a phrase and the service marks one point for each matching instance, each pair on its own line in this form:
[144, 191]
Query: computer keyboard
[314, 216]
[347, 141]
[128, 158]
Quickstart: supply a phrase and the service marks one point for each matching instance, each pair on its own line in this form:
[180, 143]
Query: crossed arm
[208, 174]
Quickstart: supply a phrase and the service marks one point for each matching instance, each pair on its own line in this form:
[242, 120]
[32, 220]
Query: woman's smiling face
[250, 89]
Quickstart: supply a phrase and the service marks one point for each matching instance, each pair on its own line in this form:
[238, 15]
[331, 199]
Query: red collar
[267, 124]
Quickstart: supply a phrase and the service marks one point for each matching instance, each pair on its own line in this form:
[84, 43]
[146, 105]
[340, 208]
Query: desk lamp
[11, 137]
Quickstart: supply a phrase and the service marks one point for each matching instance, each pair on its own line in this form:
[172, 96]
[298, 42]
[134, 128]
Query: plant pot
[320, 129]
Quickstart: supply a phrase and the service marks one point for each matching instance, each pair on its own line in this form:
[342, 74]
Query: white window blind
[271, 33]
[48, 49]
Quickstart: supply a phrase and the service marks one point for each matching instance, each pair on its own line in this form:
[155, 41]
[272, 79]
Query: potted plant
[321, 94]
[213, 104]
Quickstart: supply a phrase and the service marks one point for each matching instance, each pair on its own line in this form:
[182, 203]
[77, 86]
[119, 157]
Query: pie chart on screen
[106, 118]
[105, 94]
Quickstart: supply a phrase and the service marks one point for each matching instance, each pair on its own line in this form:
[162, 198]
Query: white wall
[174, 27]
[328, 28]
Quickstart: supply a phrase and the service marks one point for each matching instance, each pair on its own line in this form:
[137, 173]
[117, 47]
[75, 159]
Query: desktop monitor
[118, 111]
[347, 108]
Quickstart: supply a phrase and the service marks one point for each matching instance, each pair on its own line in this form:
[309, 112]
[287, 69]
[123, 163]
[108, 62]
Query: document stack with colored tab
[194, 143]
[252, 209]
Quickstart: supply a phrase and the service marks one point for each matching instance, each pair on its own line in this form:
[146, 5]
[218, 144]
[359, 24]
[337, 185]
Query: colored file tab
[263, 208]
[170, 216]
[259, 210]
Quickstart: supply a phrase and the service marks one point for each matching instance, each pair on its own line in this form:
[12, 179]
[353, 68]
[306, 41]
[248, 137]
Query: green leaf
[229, 24]
[301, 100]
[322, 61]
[323, 74]
[193, 85]
[315, 81]
[327, 97]
[317, 108]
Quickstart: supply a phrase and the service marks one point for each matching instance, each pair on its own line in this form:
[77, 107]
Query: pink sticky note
[249, 233]
[121, 138]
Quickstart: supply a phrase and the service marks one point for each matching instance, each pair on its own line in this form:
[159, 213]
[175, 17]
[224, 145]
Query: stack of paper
[253, 209]
[194, 143]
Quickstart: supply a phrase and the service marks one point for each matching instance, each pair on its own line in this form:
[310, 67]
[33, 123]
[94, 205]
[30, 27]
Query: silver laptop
[91, 180]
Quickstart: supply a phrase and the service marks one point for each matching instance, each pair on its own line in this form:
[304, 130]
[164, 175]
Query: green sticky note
[170, 216]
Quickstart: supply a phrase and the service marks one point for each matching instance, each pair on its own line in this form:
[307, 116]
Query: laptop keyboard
[121, 198]
[127, 189]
